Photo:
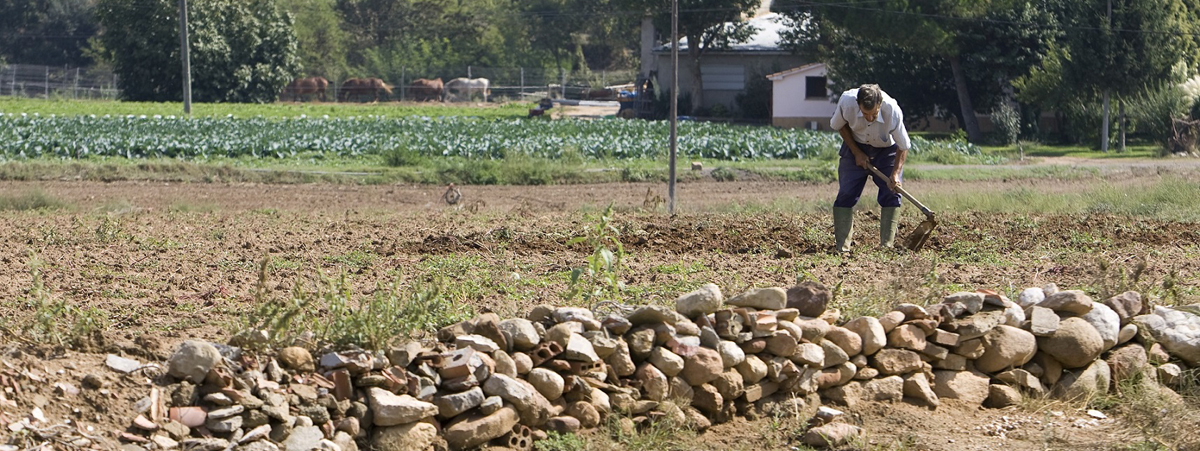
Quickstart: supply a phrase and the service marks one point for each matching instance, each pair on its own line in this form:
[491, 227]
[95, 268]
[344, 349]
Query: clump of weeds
[329, 312]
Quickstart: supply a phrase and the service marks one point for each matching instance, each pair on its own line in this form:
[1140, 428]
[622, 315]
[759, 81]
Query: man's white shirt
[885, 130]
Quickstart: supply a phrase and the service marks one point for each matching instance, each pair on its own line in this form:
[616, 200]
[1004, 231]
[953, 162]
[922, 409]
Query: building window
[814, 87]
[723, 77]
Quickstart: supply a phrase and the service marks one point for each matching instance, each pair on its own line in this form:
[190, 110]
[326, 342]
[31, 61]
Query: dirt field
[165, 262]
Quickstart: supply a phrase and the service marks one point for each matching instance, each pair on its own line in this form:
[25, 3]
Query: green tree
[321, 41]
[436, 38]
[47, 32]
[1000, 45]
[241, 50]
[706, 24]
[949, 31]
[1124, 48]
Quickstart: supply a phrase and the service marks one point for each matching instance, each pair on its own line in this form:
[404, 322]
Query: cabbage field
[24, 136]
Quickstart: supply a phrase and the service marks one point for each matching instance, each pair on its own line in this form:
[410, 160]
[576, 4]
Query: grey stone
[833, 435]
[773, 298]
[228, 424]
[491, 404]
[1178, 332]
[505, 364]
[1071, 301]
[669, 363]
[479, 343]
[1093, 380]
[1075, 344]
[1024, 380]
[304, 438]
[1006, 347]
[810, 354]
[705, 300]
[1106, 322]
[475, 429]
[566, 314]
[1127, 305]
[849, 341]
[523, 335]
[452, 404]
[753, 369]
[1042, 321]
[390, 409]
[296, 358]
[193, 360]
[890, 388]
[1030, 297]
[580, 349]
[870, 332]
[548, 383]
[969, 387]
[654, 384]
[896, 361]
[834, 355]
[972, 301]
[1001, 396]
[651, 315]
[916, 385]
[731, 353]
[976, 325]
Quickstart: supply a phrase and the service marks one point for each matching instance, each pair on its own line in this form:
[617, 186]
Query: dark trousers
[852, 178]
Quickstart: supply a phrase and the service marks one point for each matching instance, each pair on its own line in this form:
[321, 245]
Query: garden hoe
[917, 239]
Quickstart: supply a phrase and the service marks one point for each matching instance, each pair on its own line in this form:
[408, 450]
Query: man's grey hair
[869, 96]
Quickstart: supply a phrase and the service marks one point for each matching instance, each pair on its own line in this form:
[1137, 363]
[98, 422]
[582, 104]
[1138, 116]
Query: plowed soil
[165, 262]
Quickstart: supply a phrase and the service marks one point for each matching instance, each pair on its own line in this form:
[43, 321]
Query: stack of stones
[489, 381]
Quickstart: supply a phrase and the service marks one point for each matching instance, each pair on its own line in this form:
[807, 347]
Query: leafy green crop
[31, 136]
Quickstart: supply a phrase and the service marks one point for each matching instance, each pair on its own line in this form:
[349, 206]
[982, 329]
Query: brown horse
[364, 90]
[301, 87]
[422, 89]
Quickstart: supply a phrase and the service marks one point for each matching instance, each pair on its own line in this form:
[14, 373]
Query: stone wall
[766, 351]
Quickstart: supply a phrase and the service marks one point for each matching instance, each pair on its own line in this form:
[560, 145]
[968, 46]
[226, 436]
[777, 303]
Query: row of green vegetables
[32, 136]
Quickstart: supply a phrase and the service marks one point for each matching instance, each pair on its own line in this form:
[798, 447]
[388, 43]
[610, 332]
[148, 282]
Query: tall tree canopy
[1125, 47]
[321, 42]
[241, 50]
[977, 45]
[46, 32]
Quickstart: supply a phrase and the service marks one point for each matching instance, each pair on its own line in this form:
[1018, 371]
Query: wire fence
[505, 83]
[46, 82]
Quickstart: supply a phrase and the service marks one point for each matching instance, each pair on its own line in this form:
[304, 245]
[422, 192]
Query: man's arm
[899, 169]
[900, 135]
[860, 158]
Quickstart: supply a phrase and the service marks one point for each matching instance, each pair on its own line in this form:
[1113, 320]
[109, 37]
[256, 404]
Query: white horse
[464, 89]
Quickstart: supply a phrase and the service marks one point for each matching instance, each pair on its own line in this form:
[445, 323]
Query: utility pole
[674, 105]
[183, 52]
[1104, 123]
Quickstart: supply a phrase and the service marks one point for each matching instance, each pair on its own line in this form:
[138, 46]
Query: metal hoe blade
[916, 240]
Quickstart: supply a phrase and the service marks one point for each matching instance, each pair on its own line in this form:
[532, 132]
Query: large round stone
[1075, 344]
[1006, 347]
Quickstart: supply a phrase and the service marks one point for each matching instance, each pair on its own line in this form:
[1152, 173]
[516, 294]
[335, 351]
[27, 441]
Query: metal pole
[403, 76]
[674, 104]
[47, 87]
[522, 95]
[183, 51]
[75, 90]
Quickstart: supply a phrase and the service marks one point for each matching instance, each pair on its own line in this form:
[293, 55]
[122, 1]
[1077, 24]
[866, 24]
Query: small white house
[800, 98]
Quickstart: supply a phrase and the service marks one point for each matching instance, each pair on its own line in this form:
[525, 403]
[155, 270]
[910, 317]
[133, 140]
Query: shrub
[1007, 123]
